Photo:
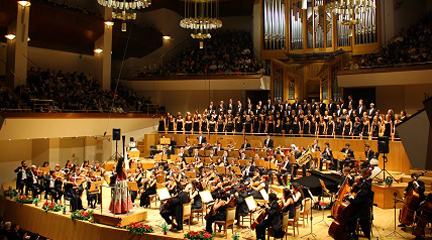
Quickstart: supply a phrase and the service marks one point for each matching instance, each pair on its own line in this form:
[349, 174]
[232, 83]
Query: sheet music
[251, 203]
[206, 196]
[163, 194]
[264, 194]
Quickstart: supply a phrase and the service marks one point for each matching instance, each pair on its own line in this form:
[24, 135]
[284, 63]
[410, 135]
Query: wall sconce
[24, 3]
[10, 36]
[166, 37]
[98, 50]
[124, 27]
[109, 23]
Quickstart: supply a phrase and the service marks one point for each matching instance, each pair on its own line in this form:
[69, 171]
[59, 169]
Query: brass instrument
[305, 158]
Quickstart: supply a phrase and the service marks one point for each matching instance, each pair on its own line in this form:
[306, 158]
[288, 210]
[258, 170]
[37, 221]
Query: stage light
[124, 27]
[28, 39]
[10, 139]
[109, 23]
[10, 36]
[24, 3]
[166, 37]
[98, 50]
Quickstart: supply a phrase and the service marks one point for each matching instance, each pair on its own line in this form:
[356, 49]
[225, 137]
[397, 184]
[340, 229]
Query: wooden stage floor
[383, 224]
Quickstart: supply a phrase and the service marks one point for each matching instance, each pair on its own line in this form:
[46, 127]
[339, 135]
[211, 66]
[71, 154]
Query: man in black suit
[349, 154]
[248, 171]
[331, 107]
[201, 139]
[21, 172]
[322, 107]
[327, 156]
[343, 105]
[175, 209]
[285, 171]
[32, 183]
[362, 204]
[361, 108]
[295, 105]
[211, 107]
[53, 186]
[245, 145]
[352, 102]
[268, 143]
[371, 112]
[273, 219]
[369, 153]
[338, 110]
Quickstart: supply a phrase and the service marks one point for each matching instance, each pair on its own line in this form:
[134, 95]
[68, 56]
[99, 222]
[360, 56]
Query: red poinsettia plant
[53, 207]
[23, 199]
[139, 228]
[199, 235]
[82, 215]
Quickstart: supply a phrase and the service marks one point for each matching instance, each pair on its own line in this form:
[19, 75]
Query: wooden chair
[294, 222]
[249, 216]
[187, 214]
[229, 222]
[199, 213]
[304, 214]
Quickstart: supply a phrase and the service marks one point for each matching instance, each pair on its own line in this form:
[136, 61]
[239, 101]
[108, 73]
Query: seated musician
[216, 185]
[327, 156]
[53, 186]
[32, 181]
[248, 170]
[165, 152]
[241, 206]
[268, 143]
[259, 183]
[245, 145]
[196, 200]
[419, 187]
[93, 198]
[361, 203]
[272, 219]
[349, 154]
[97, 168]
[71, 193]
[218, 210]
[218, 148]
[21, 172]
[175, 208]
[298, 195]
[150, 189]
[347, 175]
[288, 204]
[201, 139]
[284, 172]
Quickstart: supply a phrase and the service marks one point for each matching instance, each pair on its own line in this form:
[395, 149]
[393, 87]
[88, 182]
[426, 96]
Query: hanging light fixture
[201, 16]
[124, 10]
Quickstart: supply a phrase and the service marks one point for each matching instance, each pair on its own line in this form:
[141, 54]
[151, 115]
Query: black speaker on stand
[116, 136]
[383, 147]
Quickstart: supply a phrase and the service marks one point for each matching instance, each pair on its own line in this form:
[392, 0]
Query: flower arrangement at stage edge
[36, 201]
[236, 236]
[52, 207]
[165, 228]
[11, 193]
[23, 199]
[82, 215]
[139, 228]
[199, 235]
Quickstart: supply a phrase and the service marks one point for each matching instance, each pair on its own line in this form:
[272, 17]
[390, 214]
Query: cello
[412, 200]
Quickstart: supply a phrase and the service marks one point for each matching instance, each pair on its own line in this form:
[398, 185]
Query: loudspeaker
[116, 134]
[383, 145]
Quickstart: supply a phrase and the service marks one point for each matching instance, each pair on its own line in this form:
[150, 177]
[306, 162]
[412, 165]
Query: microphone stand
[395, 231]
[311, 216]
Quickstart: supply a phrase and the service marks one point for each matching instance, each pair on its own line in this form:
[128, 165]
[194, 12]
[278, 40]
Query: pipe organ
[274, 24]
[317, 26]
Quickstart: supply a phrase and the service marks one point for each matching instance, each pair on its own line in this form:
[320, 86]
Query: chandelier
[201, 16]
[124, 10]
[348, 9]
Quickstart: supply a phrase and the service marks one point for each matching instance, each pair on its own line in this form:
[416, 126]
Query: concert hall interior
[215, 119]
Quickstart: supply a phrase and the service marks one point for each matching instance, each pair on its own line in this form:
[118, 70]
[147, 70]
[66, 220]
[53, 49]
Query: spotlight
[124, 27]
[166, 37]
[98, 50]
[24, 3]
[109, 23]
[10, 36]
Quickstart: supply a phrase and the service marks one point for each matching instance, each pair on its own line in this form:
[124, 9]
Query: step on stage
[122, 220]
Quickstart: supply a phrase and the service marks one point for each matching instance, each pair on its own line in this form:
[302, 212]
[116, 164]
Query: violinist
[71, 193]
[21, 172]
[175, 208]
[32, 181]
[92, 198]
[362, 204]
[259, 184]
[241, 206]
[196, 200]
[273, 219]
[218, 210]
[298, 195]
[288, 204]
[53, 186]
[248, 170]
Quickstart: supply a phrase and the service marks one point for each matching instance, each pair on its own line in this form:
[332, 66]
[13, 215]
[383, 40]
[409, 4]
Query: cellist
[419, 187]
[273, 219]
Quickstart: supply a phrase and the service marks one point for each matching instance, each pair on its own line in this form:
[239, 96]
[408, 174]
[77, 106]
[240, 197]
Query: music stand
[324, 191]
[311, 216]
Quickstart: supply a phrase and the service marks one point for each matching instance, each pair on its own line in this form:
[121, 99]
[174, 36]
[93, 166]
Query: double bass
[412, 200]
[345, 188]
[425, 216]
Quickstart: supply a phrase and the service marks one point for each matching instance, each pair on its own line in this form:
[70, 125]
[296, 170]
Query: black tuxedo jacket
[245, 147]
[369, 154]
[269, 143]
[203, 140]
